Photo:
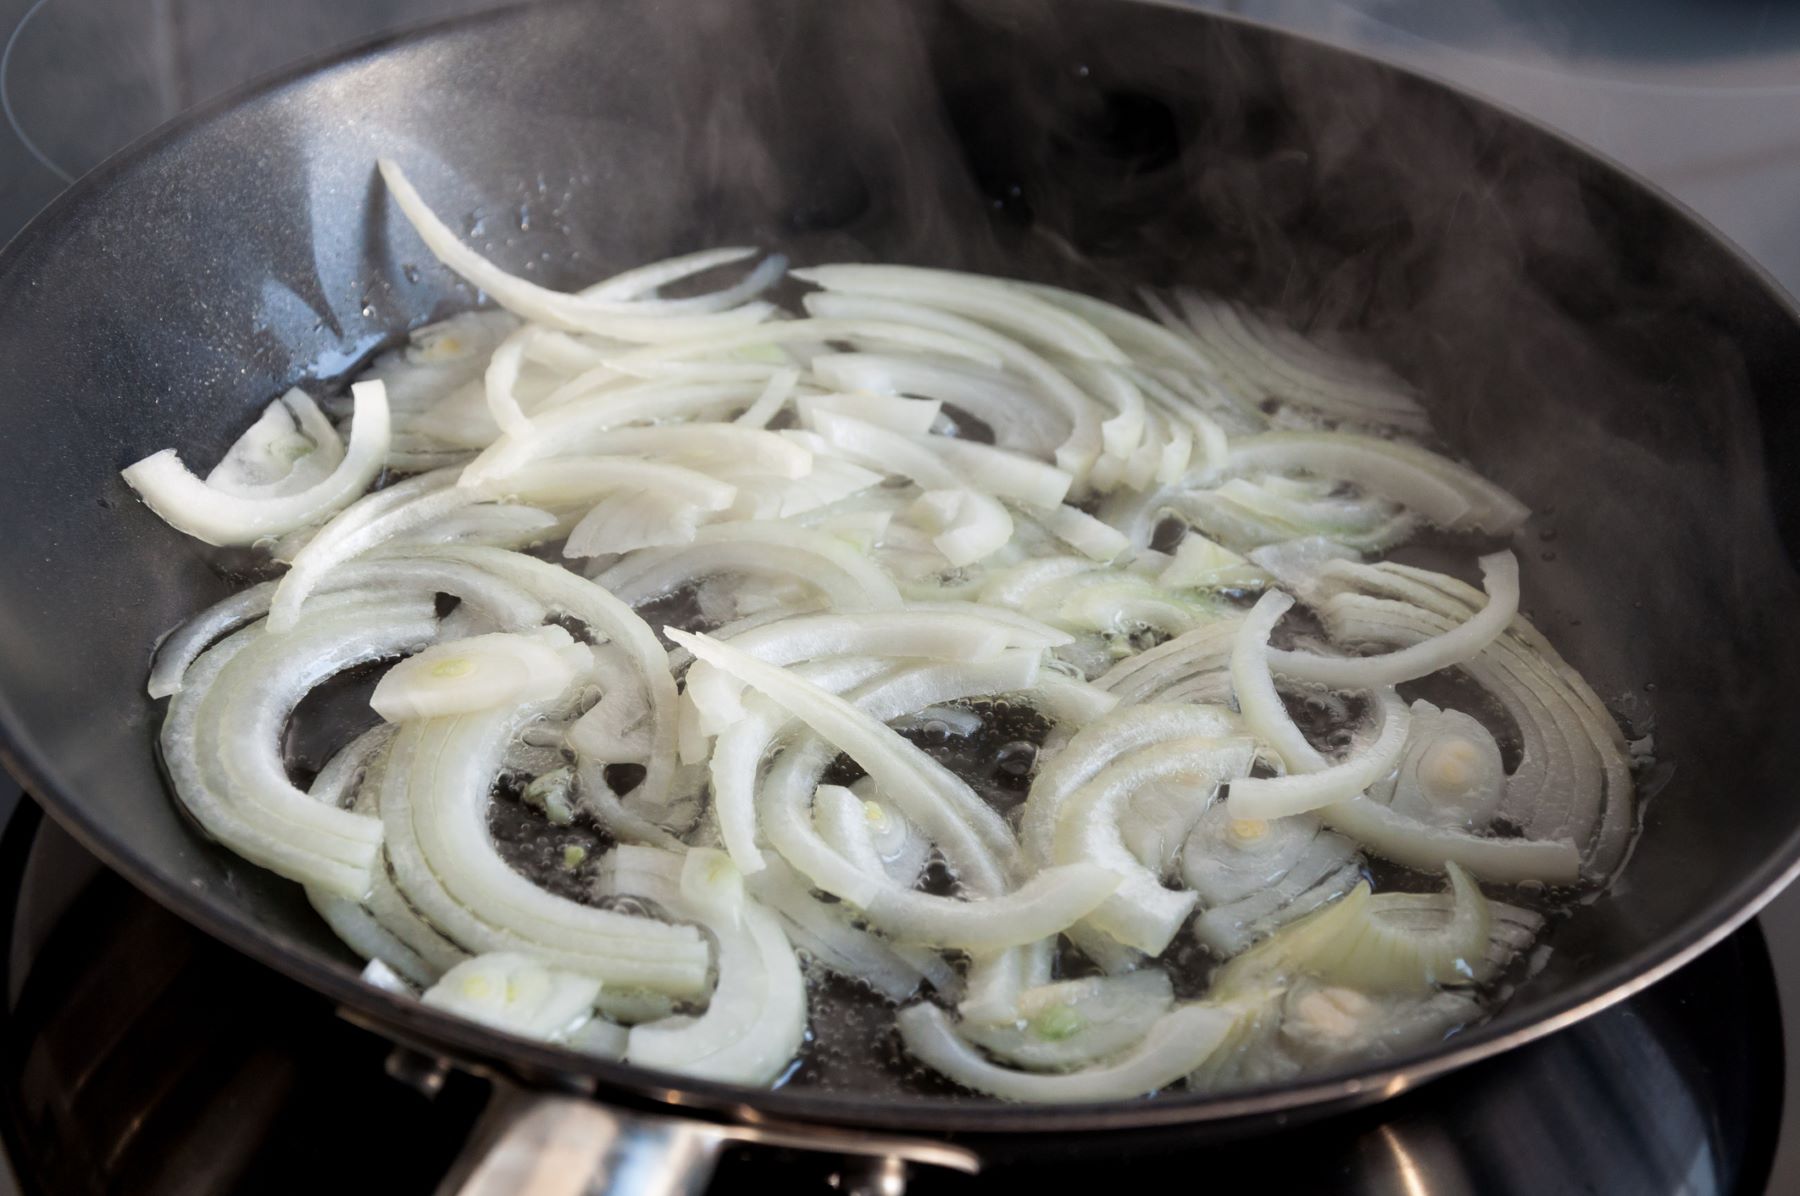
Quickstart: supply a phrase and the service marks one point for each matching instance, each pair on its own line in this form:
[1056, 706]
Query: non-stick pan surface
[1580, 340]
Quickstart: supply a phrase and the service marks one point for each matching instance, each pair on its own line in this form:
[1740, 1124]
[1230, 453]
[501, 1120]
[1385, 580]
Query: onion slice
[223, 518]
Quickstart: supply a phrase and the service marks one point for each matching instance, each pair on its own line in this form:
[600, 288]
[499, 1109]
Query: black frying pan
[1582, 340]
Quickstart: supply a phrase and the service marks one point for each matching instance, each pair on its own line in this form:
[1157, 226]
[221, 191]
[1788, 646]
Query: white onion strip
[218, 517]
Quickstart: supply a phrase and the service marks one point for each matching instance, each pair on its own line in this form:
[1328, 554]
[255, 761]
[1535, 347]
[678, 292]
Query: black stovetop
[139, 1056]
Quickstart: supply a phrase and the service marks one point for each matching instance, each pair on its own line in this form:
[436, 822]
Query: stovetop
[140, 1056]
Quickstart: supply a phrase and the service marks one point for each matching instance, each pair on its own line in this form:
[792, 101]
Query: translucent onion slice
[1500, 572]
[1431, 848]
[609, 619]
[617, 318]
[1298, 793]
[1450, 774]
[1094, 748]
[1448, 495]
[1255, 877]
[976, 839]
[653, 360]
[996, 983]
[517, 994]
[1325, 1024]
[1019, 420]
[1254, 686]
[925, 635]
[434, 809]
[608, 424]
[755, 1020]
[824, 930]
[1352, 943]
[292, 447]
[1573, 781]
[1202, 564]
[1051, 901]
[1141, 913]
[222, 741]
[775, 396]
[501, 669]
[965, 525]
[1178, 1043]
[218, 517]
[1085, 534]
[362, 527]
[944, 463]
[1076, 1023]
[848, 580]
[1260, 357]
[1076, 455]
[903, 848]
[502, 379]
[911, 417]
[991, 301]
[1194, 666]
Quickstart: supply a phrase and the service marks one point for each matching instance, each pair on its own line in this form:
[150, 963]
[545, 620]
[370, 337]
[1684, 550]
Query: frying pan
[1580, 339]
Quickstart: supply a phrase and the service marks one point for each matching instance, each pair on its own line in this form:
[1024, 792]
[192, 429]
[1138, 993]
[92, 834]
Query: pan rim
[485, 1050]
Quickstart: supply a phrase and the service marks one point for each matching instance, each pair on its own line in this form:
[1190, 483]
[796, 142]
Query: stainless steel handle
[531, 1143]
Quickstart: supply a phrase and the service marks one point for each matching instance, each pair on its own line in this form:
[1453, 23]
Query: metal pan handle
[533, 1143]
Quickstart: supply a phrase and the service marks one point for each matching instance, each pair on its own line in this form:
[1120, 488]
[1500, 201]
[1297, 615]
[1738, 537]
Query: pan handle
[535, 1143]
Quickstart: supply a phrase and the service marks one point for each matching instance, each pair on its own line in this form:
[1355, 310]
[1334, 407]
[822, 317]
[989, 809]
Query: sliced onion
[849, 581]
[1096, 746]
[291, 448]
[1176, 1044]
[1076, 1023]
[1076, 455]
[825, 931]
[1298, 793]
[1501, 573]
[756, 1019]
[1141, 913]
[1431, 848]
[1450, 774]
[616, 318]
[517, 994]
[1254, 877]
[1194, 667]
[898, 766]
[996, 983]
[1351, 942]
[1021, 423]
[218, 517]
[1202, 564]
[480, 673]
[222, 741]
[1254, 686]
[965, 525]
[1441, 491]
[433, 807]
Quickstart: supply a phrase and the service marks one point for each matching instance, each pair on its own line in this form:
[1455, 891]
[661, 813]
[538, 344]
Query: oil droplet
[1548, 556]
[1547, 535]
[1649, 687]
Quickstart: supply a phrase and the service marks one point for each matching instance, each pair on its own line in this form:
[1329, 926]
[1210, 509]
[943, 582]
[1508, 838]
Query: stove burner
[139, 1056]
